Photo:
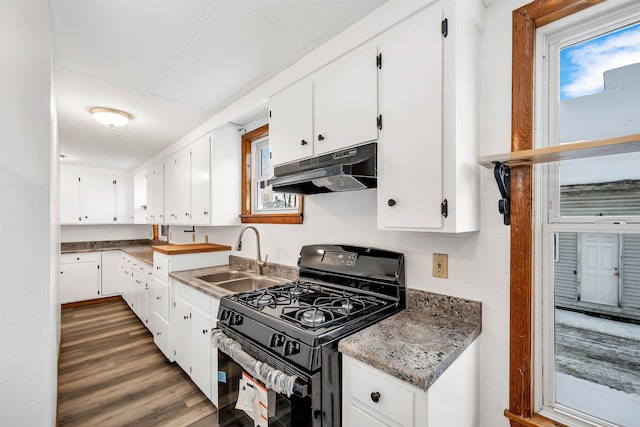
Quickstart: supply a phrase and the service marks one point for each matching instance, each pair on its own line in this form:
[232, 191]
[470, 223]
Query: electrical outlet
[441, 265]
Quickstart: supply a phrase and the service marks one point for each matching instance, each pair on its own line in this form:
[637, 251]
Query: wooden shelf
[566, 151]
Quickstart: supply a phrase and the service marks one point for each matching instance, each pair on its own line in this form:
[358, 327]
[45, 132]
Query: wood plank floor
[112, 374]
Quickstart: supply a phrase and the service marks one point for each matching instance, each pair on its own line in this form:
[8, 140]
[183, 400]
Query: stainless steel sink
[224, 276]
[249, 283]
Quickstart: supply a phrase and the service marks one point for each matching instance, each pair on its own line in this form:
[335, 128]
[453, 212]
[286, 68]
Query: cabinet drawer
[394, 401]
[80, 257]
[161, 266]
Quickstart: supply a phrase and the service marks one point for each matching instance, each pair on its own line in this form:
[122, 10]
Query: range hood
[345, 170]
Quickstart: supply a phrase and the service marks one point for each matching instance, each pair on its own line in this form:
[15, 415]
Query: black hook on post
[502, 173]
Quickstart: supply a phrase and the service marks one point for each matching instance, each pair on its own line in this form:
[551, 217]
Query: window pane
[600, 98]
[264, 161]
[269, 200]
[597, 325]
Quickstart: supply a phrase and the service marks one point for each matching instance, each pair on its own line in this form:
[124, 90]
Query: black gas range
[294, 328]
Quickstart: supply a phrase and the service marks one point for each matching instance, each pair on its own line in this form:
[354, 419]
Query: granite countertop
[138, 248]
[143, 253]
[418, 344]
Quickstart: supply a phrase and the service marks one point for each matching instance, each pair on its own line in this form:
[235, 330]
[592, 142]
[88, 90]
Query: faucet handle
[264, 263]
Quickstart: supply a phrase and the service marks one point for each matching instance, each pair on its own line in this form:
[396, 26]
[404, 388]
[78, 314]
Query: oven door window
[288, 411]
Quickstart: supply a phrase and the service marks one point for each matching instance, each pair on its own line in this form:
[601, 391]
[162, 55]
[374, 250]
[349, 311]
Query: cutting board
[190, 248]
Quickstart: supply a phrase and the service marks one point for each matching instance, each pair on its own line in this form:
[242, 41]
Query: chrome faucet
[259, 263]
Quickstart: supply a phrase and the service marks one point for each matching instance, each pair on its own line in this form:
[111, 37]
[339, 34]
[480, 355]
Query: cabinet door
[98, 199]
[201, 181]
[170, 190]
[161, 335]
[201, 367]
[356, 417]
[127, 281]
[69, 198]
[410, 144]
[150, 181]
[183, 334]
[79, 282]
[158, 194]
[111, 280]
[124, 200]
[345, 96]
[183, 186]
[291, 123]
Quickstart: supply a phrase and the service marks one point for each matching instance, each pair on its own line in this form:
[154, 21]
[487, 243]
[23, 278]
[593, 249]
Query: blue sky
[582, 65]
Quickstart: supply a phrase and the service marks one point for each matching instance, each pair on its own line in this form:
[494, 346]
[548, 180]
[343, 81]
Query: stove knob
[235, 320]
[225, 315]
[277, 340]
[291, 348]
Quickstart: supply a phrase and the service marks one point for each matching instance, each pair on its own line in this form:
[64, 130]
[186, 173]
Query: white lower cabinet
[371, 397]
[79, 277]
[357, 417]
[160, 325]
[161, 336]
[111, 281]
[194, 317]
[142, 275]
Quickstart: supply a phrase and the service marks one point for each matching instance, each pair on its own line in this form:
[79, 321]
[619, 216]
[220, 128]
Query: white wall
[29, 313]
[86, 233]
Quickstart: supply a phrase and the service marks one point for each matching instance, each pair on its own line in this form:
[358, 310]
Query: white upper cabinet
[97, 193]
[291, 123]
[177, 190]
[226, 161]
[69, 197]
[95, 196]
[155, 194]
[182, 177]
[124, 201]
[345, 101]
[170, 190]
[201, 181]
[410, 144]
[198, 185]
[335, 107]
[427, 177]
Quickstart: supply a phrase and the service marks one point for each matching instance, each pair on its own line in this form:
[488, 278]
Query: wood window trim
[521, 335]
[247, 216]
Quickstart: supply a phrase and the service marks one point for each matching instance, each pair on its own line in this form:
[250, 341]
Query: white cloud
[590, 61]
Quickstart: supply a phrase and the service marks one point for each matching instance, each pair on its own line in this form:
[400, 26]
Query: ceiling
[173, 64]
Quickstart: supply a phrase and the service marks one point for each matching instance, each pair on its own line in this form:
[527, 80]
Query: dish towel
[272, 378]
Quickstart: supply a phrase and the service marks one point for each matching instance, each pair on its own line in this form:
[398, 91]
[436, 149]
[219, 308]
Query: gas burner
[265, 298]
[297, 290]
[346, 306]
[312, 317]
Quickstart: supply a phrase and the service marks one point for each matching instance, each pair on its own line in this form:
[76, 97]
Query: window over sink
[260, 204]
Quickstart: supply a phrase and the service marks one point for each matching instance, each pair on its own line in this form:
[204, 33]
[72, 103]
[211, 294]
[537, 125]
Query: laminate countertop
[418, 344]
[141, 249]
[138, 248]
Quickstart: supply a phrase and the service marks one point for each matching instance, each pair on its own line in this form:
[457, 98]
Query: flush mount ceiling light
[110, 116]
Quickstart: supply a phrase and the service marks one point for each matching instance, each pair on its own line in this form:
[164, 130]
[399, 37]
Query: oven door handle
[273, 378]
